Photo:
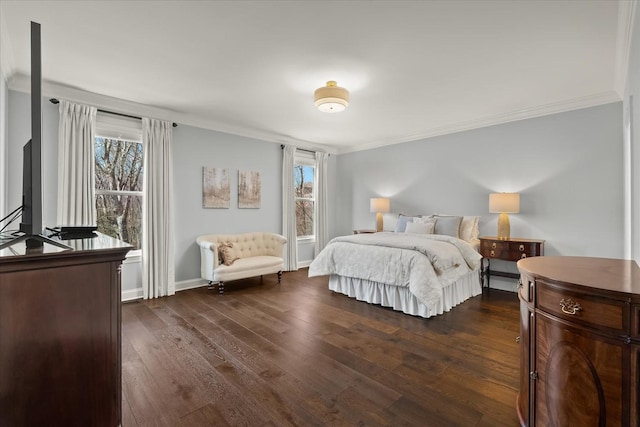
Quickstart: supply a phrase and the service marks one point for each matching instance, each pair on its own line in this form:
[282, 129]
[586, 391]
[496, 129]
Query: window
[304, 189]
[119, 175]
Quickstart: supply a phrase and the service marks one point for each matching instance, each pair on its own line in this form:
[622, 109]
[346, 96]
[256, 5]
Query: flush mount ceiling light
[331, 98]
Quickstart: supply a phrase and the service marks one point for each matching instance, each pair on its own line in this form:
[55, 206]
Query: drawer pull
[569, 306]
[493, 245]
[517, 339]
[523, 256]
[492, 253]
[521, 247]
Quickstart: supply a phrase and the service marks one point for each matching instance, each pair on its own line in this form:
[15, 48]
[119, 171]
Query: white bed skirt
[399, 298]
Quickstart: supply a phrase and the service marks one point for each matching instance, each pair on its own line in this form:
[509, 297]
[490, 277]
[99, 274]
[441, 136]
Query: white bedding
[424, 264]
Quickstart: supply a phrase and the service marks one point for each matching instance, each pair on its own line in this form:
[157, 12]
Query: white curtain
[76, 164]
[289, 209]
[322, 210]
[158, 276]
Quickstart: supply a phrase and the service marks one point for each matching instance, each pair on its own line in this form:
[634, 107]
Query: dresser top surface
[512, 239]
[98, 242]
[617, 275]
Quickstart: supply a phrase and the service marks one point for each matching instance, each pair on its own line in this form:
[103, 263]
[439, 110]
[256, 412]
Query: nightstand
[363, 231]
[513, 250]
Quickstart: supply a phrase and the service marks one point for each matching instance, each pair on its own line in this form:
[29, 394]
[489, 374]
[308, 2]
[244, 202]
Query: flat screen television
[32, 153]
[31, 225]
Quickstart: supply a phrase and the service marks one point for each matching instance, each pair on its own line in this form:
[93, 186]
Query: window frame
[123, 129]
[306, 158]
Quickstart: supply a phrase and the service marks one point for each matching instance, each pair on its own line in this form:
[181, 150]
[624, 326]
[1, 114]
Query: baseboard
[134, 294]
[190, 284]
[131, 294]
[510, 285]
[304, 264]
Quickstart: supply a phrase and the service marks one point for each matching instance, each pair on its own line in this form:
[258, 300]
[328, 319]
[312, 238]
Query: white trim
[134, 294]
[7, 59]
[131, 294]
[20, 82]
[525, 113]
[190, 284]
[304, 264]
[117, 127]
[118, 193]
[133, 257]
[626, 13]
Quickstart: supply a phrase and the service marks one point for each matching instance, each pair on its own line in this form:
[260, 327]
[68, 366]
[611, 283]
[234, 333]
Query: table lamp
[379, 205]
[504, 203]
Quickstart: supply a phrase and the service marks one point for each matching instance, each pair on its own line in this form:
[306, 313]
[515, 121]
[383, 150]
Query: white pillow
[403, 220]
[469, 229]
[426, 220]
[419, 228]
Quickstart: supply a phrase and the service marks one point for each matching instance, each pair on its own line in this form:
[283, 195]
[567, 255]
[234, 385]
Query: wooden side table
[363, 231]
[512, 250]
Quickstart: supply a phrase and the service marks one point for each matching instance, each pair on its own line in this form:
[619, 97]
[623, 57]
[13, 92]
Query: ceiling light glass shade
[331, 98]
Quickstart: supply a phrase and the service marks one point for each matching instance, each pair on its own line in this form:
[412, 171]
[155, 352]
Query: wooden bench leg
[210, 285]
[279, 276]
[221, 288]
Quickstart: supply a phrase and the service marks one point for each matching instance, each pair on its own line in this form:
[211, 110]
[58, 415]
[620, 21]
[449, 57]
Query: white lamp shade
[379, 204]
[504, 202]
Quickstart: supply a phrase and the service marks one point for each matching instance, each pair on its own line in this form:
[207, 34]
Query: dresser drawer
[509, 250]
[494, 249]
[595, 311]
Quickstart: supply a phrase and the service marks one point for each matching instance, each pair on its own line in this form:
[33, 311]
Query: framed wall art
[216, 191]
[249, 189]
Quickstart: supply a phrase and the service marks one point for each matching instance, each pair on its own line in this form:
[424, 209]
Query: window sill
[133, 257]
[309, 239]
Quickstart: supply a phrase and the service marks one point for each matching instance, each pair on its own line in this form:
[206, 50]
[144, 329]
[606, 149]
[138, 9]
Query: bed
[418, 270]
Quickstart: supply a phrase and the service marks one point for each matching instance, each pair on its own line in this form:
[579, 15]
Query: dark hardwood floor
[297, 354]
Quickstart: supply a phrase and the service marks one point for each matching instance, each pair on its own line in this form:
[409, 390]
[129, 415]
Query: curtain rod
[300, 149]
[55, 101]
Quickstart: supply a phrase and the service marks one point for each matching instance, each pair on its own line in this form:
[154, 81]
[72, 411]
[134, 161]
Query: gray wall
[632, 109]
[3, 144]
[19, 118]
[567, 167]
[194, 148]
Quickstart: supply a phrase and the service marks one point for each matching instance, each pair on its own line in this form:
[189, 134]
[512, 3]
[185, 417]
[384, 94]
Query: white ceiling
[414, 68]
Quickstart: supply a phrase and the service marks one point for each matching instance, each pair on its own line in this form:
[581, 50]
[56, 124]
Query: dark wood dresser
[580, 342]
[60, 355]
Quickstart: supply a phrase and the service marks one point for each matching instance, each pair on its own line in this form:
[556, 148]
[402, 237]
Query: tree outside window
[119, 175]
[305, 200]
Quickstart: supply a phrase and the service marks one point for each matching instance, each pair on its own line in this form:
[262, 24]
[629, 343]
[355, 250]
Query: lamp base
[379, 225]
[504, 228]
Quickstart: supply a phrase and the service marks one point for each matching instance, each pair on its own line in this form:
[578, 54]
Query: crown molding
[7, 61]
[21, 83]
[626, 15]
[525, 113]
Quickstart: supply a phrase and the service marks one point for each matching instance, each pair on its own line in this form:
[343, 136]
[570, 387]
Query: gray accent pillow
[448, 225]
[401, 225]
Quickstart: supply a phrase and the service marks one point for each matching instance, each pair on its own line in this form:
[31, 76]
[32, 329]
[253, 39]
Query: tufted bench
[253, 254]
